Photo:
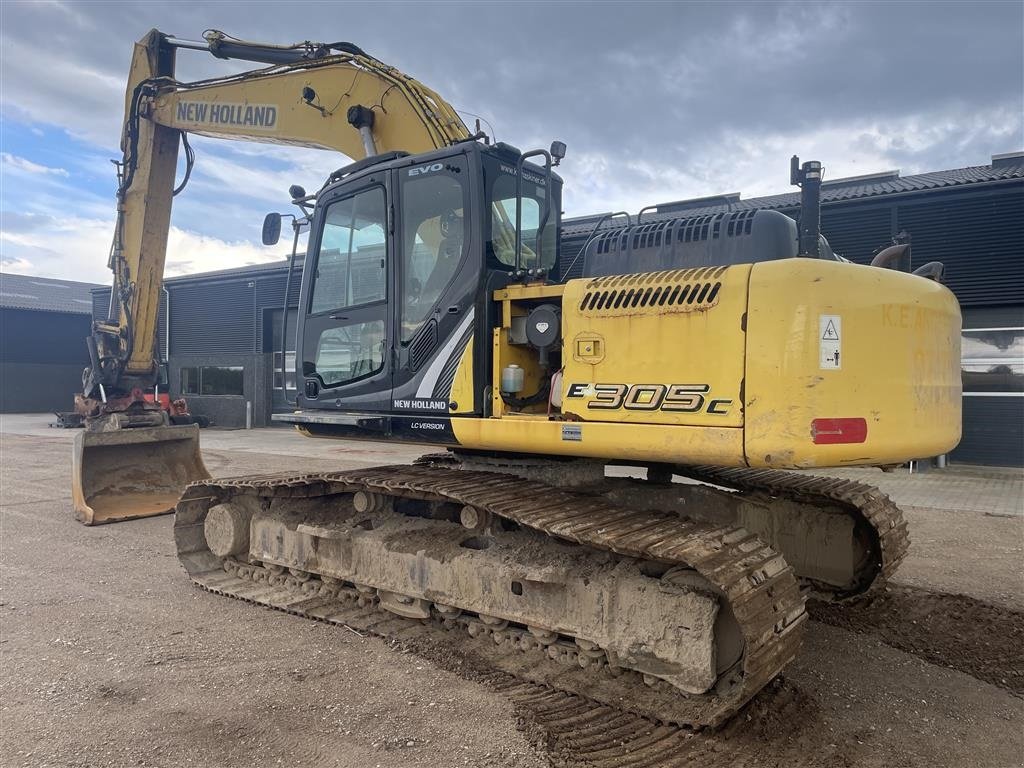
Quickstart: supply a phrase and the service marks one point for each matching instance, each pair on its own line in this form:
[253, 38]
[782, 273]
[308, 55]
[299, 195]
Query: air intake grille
[680, 290]
[422, 345]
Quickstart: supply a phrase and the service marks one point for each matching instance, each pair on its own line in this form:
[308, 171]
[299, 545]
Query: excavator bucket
[129, 473]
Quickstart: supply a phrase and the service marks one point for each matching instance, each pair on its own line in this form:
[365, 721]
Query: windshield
[538, 236]
[350, 262]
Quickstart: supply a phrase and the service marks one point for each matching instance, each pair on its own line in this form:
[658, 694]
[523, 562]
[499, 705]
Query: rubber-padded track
[866, 503]
[755, 581]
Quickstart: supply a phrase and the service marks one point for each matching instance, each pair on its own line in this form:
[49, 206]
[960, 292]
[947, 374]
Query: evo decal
[424, 169]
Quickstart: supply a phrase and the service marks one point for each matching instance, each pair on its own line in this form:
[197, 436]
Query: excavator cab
[402, 251]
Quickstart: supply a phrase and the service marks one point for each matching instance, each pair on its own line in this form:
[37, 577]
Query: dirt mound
[953, 631]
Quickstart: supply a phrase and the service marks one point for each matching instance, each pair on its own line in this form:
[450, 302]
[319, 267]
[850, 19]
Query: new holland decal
[420, 404]
[201, 113]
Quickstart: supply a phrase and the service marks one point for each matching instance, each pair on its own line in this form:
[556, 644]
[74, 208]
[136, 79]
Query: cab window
[350, 262]
[350, 352]
[433, 237]
[501, 240]
[503, 229]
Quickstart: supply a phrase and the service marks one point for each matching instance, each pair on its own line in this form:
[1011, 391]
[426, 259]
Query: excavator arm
[326, 96]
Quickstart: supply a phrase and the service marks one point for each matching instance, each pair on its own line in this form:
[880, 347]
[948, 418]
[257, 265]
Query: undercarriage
[609, 588]
[843, 538]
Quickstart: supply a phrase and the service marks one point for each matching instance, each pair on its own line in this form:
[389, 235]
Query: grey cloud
[666, 92]
[20, 223]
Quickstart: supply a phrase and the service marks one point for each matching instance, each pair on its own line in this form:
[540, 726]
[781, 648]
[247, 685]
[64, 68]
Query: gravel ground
[108, 657]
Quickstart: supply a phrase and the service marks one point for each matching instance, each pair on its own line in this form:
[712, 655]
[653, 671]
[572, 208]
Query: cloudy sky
[656, 102]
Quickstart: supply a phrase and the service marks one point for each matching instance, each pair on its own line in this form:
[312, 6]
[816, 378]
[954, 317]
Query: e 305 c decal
[673, 398]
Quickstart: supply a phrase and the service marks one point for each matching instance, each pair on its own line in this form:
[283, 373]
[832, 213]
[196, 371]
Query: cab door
[437, 261]
[346, 329]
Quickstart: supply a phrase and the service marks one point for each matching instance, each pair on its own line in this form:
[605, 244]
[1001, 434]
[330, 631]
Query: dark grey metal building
[43, 325]
[219, 330]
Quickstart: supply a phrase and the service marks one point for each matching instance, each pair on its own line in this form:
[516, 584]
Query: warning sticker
[830, 335]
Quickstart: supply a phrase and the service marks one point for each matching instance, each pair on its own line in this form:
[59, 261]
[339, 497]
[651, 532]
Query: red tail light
[832, 431]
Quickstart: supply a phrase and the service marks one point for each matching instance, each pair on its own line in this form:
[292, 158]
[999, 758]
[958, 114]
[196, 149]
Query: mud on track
[980, 639]
[778, 727]
[783, 726]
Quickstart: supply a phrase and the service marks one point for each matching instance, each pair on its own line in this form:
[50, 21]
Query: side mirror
[296, 191]
[272, 229]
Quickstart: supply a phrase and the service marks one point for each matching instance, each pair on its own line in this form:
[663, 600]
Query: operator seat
[449, 253]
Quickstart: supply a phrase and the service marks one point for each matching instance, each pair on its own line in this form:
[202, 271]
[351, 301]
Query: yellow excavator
[614, 513]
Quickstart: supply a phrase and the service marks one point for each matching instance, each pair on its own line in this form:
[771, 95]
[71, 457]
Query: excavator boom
[326, 96]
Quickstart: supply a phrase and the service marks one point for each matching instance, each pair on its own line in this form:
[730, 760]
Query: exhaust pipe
[895, 256]
[808, 178]
[123, 474]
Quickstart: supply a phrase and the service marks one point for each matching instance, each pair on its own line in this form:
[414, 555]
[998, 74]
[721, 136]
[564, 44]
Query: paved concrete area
[108, 657]
[280, 440]
[991, 490]
[995, 491]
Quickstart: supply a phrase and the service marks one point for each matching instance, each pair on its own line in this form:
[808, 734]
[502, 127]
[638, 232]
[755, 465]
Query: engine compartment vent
[747, 236]
[679, 290]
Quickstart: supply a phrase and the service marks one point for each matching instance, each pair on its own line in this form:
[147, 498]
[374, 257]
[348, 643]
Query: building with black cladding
[43, 325]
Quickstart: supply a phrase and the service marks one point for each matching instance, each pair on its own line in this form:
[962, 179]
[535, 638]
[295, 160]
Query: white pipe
[167, 329]
[369, 147]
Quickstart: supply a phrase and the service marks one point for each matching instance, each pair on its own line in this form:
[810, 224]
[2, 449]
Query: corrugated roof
[46, 294]
[237, 273]
[250, 270]
[838, 191]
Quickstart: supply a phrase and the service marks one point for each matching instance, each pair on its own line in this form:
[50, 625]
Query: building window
[190, 381]
[272, 341]
[993, 362]
[289, 372]
[213, 380]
